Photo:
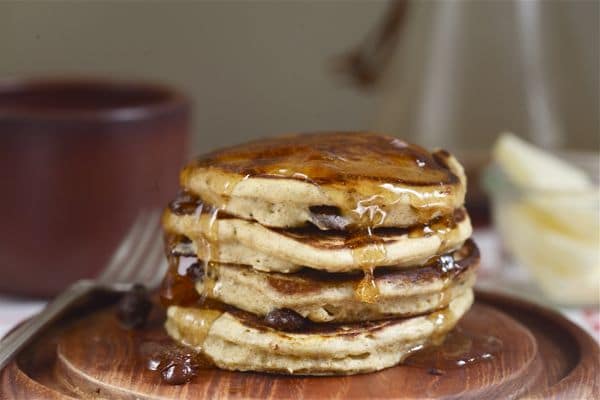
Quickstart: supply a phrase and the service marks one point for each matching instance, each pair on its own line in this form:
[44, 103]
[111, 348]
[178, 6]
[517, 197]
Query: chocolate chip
[195, 271]
[182, 249]
[176, 364]
[185, 203]
[325, 210]
[134, 307]
[435, 371]
[179, 372]
[328, 217]
[285, 319]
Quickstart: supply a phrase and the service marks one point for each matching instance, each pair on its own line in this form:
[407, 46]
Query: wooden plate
[542, 355]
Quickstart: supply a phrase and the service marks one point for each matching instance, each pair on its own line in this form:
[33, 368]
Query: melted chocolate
[363, 174]
[284, 319]
[176, 364]
[334, 238]
[134, 307]
[307, 280]
[441, 226]
[185, 203]
[328, 217]
[310, 327]
[371, 171]
[195, 271]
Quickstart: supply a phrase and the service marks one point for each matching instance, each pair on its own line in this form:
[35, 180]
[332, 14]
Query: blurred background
[452, 74]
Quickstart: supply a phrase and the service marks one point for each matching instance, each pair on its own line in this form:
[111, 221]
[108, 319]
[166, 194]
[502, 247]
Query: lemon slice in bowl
[528, 166]
[548, 213]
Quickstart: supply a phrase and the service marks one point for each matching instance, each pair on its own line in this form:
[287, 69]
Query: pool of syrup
[460, 348]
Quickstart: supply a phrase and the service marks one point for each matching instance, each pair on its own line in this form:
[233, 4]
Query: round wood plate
[543, 355]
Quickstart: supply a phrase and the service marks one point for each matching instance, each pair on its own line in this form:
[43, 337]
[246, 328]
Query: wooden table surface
[543, 355]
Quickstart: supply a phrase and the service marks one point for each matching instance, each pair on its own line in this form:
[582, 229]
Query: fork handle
[12, 343]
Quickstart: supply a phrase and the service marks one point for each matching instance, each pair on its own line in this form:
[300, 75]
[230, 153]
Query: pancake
[243, 342]
[318, 254]
[333, 180]
[325, 297]
[288, 250]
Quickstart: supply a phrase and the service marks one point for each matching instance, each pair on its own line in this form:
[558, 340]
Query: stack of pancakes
[326, 253]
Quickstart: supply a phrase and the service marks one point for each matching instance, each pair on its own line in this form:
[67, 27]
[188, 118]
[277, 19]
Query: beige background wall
[253, 68]
[466, 70]
[257, 68]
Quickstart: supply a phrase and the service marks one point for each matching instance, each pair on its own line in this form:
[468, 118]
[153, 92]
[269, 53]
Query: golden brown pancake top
[334, 157]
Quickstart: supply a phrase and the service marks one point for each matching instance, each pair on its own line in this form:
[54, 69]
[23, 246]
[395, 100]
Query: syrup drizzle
[368, 249]
[459, 349]
[441, 226]
[372, 182]
[208, 241]
[193, 324]
[179, 288]
[349, 169]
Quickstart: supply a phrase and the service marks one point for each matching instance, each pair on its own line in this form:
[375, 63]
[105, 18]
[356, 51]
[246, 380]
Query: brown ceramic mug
[79, 159]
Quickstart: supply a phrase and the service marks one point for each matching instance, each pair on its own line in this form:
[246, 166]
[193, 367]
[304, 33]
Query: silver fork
[139, 259]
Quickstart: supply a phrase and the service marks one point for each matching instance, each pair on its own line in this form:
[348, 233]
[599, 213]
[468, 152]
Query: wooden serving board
[542, 355]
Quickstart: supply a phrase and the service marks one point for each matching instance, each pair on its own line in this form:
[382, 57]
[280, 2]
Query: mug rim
[170, 99]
